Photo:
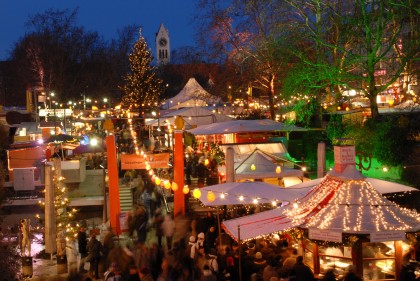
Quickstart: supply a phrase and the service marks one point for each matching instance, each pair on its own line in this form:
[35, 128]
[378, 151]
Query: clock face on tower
[163, 42]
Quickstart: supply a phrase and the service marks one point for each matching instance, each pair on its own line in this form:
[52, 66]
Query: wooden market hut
[343, 222]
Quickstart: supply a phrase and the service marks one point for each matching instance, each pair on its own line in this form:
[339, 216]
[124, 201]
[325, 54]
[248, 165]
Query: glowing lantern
[197, 193]
[278, 170]
[338, 107]
[347, 108]
[167, 184]
[253, 168]
[186, 190]
[206, 162]
[391, 102]
[210, 196]
[174, 186]
[157, 181]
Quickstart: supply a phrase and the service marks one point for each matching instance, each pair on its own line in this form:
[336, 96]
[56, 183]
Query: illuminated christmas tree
[142, 85]
[64, 215]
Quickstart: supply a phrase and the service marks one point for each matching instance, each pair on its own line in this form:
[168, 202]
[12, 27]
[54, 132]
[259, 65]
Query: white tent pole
[239, 252]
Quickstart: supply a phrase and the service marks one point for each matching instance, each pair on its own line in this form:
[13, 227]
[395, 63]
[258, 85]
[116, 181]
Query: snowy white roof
[192, 95]
[193, 117]
[344, 202]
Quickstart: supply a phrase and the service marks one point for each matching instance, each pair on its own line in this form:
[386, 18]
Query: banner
[325, 235]
[138, 162]
[385, 236]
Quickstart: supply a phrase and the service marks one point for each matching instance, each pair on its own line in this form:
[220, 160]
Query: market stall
[343, 221]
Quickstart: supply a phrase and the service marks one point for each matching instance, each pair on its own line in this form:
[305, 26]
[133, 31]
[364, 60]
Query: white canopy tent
[344, 202]
[261, 165]
[243, 126]
[192, 95]
[193, 117]
[248, 192]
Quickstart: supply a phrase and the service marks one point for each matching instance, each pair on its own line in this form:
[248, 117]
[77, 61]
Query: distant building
[163, 50]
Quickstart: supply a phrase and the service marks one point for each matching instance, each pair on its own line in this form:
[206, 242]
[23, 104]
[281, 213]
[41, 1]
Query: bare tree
[250, 35]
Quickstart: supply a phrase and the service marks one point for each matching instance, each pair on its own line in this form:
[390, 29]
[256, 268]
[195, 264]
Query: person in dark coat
[301, 271]
[210, 239]
[95, 251]
[201, 173]
[140, 224]
[82, 243]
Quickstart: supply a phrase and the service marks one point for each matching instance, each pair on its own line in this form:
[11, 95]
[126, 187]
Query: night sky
[105, 17]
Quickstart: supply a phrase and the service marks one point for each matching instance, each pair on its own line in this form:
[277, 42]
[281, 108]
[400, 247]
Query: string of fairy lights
[63, 214]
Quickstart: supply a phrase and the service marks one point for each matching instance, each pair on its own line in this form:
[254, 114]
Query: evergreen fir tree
[142, 85]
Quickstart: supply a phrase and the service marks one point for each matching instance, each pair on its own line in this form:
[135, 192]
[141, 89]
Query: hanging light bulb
[241, 198]
[167, 184]
[253, 168]
[157, 181]
[210, 196]
[278, 169]
[222, 196]
[186, 190]
[197, 193]
[174, 186]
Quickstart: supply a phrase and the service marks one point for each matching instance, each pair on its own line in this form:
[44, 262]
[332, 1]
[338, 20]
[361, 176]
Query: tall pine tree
[142, 86]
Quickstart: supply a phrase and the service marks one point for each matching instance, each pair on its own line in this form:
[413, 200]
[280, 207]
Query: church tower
[163, 51]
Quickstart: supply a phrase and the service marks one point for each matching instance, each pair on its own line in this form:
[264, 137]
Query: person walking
[82, 246]
[95, 251]
[168, 229]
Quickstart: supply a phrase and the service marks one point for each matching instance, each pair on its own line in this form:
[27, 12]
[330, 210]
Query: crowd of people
[164, 248]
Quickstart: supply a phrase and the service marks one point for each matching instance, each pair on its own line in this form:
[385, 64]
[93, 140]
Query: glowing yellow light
[255, 201]
[274, 203]
[253, 168]
[241, 198]
[174, 186]
[186, 190]
[157, 181]
[278, 170]
[167, 184]
[304, 169]
[222, 195]
[197, 193]
[206, 162]
[385, 169]
[148, 167]
[210, 196]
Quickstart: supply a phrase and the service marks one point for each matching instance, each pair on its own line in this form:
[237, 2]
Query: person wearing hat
[200, 239]
[191, 254]
[259, 263]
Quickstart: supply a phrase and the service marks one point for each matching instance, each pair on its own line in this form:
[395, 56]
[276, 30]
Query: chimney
[344, 155]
